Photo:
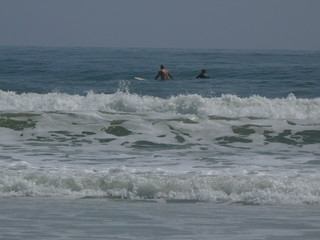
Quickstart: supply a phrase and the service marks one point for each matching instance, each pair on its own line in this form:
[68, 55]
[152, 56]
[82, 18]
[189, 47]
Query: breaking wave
[226, 105]
[240, 188]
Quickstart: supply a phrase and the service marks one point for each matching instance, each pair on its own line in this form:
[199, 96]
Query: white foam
[226, 105]
[127, 184]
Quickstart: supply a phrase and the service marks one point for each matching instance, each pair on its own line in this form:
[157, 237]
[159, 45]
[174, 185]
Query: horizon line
[168, 48]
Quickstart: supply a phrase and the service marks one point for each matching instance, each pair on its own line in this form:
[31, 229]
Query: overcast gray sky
[217, 24]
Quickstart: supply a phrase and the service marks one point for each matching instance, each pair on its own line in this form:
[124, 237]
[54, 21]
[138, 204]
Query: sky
[209, 24]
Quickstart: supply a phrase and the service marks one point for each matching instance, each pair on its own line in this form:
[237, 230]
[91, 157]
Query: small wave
[226, 105]
[124, 184]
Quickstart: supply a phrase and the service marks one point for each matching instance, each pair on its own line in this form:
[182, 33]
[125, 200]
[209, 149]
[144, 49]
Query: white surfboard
[139, 78]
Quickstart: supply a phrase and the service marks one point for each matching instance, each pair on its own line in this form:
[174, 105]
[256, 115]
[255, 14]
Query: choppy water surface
[76, 126]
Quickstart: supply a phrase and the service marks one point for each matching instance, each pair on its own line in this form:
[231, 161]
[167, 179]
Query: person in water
[203, 74]
[164, 74]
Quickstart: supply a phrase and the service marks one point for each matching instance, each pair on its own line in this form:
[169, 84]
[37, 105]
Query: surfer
[163, 73]
[203, 74]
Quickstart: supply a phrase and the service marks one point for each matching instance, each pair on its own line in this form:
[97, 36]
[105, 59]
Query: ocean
[89, 152]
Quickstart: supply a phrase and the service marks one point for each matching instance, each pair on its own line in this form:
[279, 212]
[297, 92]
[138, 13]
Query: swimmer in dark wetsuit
[203, 74]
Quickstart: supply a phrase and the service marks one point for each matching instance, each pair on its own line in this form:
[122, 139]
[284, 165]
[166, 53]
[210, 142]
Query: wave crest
[226, 105]
[123, 184]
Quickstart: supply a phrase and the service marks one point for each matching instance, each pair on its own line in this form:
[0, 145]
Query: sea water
[88, 152]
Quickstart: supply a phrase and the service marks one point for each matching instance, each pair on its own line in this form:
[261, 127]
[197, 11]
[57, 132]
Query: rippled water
[79, 133]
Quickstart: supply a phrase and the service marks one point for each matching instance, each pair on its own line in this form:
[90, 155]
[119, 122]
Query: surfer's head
[203, 71]
[161, 66]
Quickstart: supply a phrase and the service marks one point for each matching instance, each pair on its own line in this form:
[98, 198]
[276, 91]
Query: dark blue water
[88, 152]
[273, 74]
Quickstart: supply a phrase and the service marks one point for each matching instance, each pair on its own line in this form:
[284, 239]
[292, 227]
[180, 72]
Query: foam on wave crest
[241, 188]
[226, 105]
